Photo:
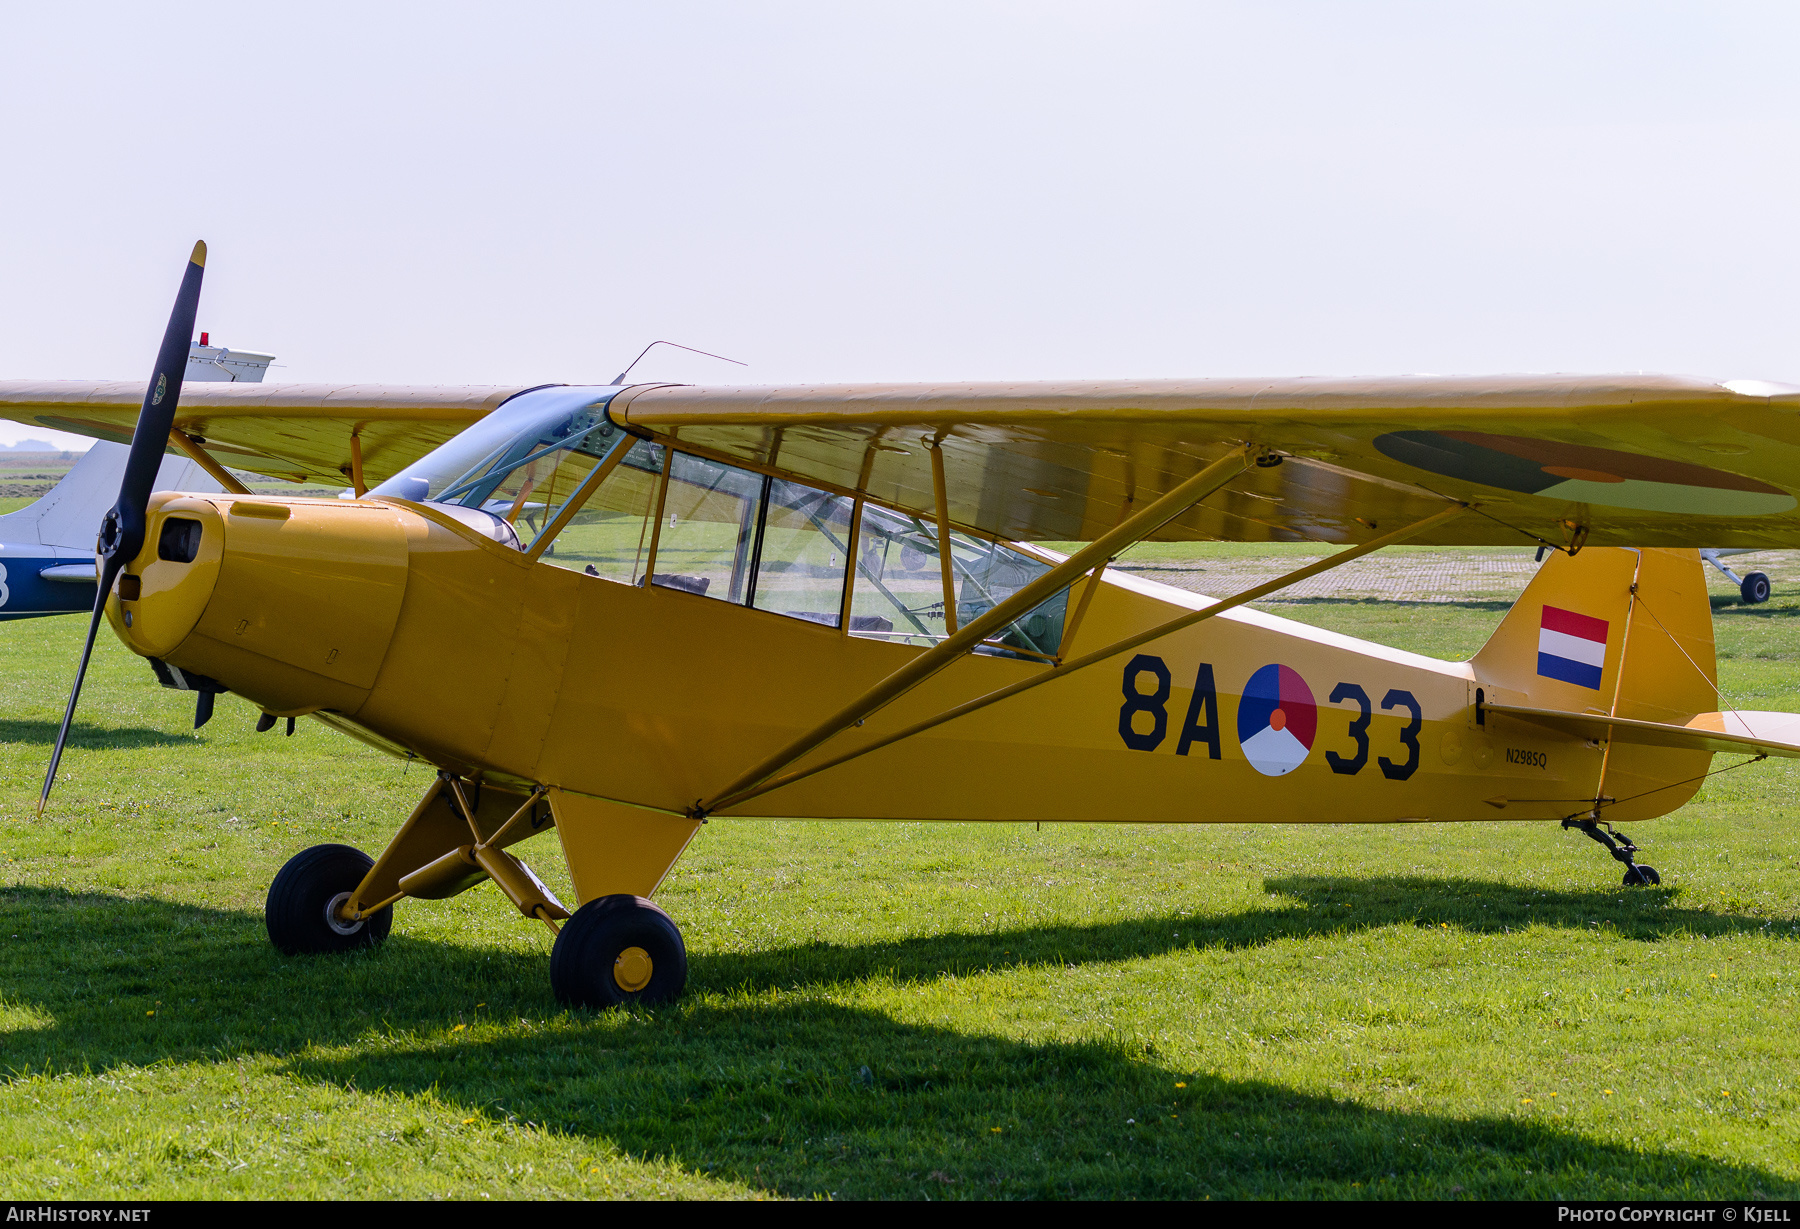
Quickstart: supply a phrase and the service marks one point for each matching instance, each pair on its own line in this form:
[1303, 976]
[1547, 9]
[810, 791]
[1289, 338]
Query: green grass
[1473, 1011]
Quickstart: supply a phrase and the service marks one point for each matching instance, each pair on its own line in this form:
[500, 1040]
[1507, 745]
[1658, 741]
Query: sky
[526, 193]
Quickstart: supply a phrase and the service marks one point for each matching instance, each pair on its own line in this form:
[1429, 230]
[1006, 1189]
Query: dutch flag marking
[1571, 647]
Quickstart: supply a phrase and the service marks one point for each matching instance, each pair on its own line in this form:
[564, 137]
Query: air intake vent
[180, 540]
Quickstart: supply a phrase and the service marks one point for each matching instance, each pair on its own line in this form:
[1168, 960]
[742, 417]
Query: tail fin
[1617, 632]
[69, 514]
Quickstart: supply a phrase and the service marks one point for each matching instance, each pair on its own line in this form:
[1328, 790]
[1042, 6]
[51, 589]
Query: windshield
[519, 460]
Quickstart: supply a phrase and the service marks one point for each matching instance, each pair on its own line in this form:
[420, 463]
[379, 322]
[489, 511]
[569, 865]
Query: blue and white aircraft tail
[47, 548]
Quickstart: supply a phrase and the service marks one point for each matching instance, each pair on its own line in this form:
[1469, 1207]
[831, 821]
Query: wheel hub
[332, 918]
[632, 969]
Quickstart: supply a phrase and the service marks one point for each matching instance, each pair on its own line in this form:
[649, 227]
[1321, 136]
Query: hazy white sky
[455, 193]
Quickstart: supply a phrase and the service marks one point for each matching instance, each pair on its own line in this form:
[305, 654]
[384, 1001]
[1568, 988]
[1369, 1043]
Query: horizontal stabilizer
[1737, 733]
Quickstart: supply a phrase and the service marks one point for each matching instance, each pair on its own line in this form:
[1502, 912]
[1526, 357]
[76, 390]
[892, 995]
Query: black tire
[1755, 589]
[298, 912]
[594, 945]
[1641, 876]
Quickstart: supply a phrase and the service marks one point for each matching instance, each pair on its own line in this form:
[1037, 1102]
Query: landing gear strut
[1621, 848]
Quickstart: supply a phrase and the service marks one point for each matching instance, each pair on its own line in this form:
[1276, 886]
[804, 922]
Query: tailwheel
[616, 950]
[302, 910]
[1621, 848]
[1755, 589]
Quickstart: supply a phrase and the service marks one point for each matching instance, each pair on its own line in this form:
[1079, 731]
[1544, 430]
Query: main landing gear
[614, 949]
[1621, 848]
[617, 950]
[302, 910]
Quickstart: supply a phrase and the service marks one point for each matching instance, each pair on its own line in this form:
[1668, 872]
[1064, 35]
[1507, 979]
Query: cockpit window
[718, 530]
[520, 462]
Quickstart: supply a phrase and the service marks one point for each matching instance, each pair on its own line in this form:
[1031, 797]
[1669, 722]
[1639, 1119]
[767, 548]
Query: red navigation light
[203, 338]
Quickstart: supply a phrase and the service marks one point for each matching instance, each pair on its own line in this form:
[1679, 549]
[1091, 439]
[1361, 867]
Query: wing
[293, 431]
[1627, 460]
[1630, 460]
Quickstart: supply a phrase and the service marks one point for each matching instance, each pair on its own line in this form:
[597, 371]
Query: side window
[708, 532]
[803, 553]
[899, 588]
[740, 537]
[610, 536]
[986, 574]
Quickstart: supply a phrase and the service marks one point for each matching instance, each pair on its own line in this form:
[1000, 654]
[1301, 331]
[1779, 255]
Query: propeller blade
[109, 572]
[122, 532]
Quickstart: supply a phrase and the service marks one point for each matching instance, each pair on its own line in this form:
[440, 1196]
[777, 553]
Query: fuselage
[399, 624]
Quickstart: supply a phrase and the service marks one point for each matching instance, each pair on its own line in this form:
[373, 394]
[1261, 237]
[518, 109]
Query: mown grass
[1476, 1011]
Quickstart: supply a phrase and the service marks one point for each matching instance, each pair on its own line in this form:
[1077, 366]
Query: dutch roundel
[1276, 720]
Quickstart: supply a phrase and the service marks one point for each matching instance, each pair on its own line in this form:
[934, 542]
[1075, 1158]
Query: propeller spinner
[122, 532]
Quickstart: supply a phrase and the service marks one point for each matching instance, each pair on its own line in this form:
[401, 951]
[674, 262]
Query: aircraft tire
[306, 889]
[1641, 876]
[1755, 589]
[611, 938]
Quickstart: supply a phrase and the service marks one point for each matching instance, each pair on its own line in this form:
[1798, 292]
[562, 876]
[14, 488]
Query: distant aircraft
[824, 602]
[1754, 586]
[47, 547]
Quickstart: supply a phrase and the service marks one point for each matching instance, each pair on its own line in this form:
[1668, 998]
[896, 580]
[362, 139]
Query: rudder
[1622, 632]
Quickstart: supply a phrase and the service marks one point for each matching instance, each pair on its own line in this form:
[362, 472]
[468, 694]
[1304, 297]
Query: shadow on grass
[90, 737]
[1724, 604]
[784, 1090]
[1318, 905]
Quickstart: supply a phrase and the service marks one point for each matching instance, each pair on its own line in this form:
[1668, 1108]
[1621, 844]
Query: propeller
[122, 532]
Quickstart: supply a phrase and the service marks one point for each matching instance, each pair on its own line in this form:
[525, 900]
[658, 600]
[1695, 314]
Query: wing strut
[744, 794]
[206, 461]
[946, 560]
[1096, 553]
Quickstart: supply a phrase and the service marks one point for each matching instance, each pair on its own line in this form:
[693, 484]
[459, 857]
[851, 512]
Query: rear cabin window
[986, 574]
[899, 588]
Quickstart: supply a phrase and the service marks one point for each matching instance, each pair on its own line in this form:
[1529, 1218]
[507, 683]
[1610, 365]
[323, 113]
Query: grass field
[1471, 1011]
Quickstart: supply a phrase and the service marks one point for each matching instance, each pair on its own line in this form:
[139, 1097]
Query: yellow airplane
[621, 611]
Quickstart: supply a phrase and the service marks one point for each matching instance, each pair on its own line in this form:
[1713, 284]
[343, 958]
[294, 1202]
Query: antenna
[620, 378]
